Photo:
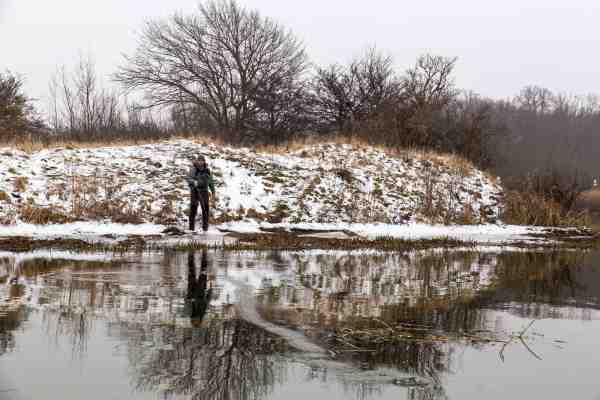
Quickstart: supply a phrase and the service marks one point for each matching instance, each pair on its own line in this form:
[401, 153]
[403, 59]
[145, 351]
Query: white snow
[323, 187]
[320, 183]
[92, 231]
[79, 229]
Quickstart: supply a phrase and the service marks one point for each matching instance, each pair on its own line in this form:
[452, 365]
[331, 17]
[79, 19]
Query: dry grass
[30, 145]
[291, 241]
[20, 184]
[590, 201]
[441, 203]
[43, 215]
[530, 208]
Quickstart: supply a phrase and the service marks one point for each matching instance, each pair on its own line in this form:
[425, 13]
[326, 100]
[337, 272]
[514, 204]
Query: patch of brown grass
[530, 208]
[290, 241]
[29, 145]
[20, 184]
[43, 215]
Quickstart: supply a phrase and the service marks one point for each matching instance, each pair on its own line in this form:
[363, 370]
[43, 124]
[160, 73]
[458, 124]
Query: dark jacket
[200, 179]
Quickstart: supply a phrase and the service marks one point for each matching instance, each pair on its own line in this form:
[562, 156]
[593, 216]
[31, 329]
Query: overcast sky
[501, 45]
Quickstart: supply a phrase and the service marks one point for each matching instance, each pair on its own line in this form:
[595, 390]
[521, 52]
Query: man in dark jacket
[200, 181]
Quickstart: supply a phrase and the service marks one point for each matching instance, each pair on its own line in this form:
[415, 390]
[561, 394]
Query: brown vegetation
[590, 201]
[43, 215]
[531, 208]
[544, 200]
[20, 184]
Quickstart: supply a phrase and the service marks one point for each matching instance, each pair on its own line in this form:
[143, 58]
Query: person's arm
[190, 179]
[211, 183]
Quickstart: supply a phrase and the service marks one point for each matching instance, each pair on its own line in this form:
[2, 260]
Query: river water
[460, 324]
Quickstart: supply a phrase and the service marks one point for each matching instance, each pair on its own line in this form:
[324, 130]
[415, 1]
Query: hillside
[320, 183]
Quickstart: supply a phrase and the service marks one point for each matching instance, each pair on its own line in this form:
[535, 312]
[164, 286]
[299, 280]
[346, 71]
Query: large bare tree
[219, 60]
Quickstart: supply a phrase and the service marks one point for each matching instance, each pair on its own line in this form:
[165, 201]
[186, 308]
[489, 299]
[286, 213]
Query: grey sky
[501, 46]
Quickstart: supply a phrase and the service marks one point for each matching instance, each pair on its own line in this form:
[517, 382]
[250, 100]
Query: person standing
[200, 181]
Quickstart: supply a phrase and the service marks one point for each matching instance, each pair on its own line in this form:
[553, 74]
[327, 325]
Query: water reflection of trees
[557, 284]
[213, 359]
[223, 359]
[10, 320]
[446, 292]
[71, 323]
[217, 358]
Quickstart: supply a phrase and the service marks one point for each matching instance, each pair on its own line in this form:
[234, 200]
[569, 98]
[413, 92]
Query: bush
[17, 115]
[43, 215]
[544, 199]
[531, 208]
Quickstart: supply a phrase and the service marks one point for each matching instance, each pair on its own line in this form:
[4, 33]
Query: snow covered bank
[487, 233]
[105, 232]
[326, 183]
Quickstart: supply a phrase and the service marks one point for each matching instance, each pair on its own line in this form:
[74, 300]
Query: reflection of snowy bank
[153, 286]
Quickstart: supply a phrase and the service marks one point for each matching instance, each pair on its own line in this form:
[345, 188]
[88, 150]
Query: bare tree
[429, 83]
[80, 108]
[535, 99]
[217, 60]
[78, 105]
[333, 89]
[427, 88]
[345, 96]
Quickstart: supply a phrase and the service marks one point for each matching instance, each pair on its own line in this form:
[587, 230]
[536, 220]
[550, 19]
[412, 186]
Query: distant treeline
[229, 72]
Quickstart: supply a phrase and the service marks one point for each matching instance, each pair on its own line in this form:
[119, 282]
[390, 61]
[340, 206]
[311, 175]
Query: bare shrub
[43, 215]
[545, 199]
[428, 205]
[94, 197]
[532, 208]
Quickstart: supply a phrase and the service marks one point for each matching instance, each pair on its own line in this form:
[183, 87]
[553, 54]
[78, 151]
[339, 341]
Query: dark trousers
[199, 197]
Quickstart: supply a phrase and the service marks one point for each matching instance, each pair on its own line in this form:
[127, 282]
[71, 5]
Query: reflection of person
[200, 181]
[198, 293]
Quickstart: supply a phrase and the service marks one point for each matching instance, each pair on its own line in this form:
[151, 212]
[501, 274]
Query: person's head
[199, 161]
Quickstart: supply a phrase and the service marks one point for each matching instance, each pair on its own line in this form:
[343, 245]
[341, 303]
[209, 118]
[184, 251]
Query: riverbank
[267, 236]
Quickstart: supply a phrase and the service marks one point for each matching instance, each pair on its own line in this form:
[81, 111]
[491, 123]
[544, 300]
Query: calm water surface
[491, 324]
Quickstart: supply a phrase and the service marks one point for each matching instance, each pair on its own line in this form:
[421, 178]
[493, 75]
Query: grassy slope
[312, 183]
